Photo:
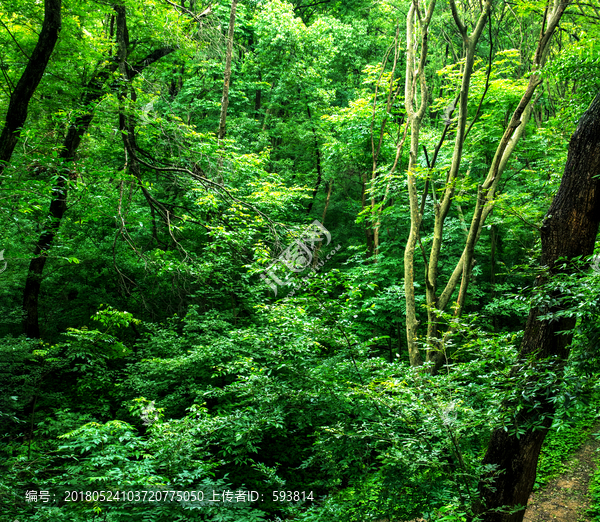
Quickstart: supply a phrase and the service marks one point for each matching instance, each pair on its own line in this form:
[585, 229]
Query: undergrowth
[561, 443]
[594, 489]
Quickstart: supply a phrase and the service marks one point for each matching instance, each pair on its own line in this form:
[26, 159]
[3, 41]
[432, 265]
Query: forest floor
[565, 498]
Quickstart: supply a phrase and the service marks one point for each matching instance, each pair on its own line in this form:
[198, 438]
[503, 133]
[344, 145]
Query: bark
[569, 231]
[375, 151]
[58, 204]
[485, 198]
[377, 225]
[442, 209]
[415, 72]
[227, 75]
[126, 95]
[258, 99]
[363, 197]
[494, 243]
[30, 79]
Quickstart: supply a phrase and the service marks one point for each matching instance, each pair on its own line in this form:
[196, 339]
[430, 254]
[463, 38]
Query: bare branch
[197, 18]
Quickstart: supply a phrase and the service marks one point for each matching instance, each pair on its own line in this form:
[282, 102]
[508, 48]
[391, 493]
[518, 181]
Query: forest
[296, 260]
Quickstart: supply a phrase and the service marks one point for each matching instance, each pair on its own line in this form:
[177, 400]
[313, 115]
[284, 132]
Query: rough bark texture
[31, 292]
[30, 79]
[569, 230]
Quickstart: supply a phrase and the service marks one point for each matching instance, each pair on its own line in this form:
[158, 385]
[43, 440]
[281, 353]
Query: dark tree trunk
[318, 249]
[569, 230]
[57, 209]
[30, 79]
[58, 205]
[36, 266]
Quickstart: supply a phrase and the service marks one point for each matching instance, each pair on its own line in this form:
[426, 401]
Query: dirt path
[565, 499]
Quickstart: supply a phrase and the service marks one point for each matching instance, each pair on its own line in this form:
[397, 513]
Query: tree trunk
[376, 150]
[415, 73]
[30, 79]
[485, 201]
[58, 204]
[225, 99]
[569, 231]
[258, 99]
[33, 282]
[377, 225]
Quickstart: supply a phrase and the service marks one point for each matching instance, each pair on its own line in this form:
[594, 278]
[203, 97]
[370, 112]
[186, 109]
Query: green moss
[594, 489]
[560, 444]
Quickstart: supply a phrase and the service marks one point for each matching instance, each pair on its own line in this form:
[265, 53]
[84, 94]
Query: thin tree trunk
[377, 225]
[375, 151]
[330, 187]
[486, 193]
[258, 99]
[415, 72]
[30, 79]
[494, 239]
[227, 75]
[369, 229]
[443, 207]
[363, 197]
[33, 282]
[569, 231]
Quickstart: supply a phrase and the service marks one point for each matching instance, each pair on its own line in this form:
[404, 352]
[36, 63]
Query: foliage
[164, 363]
[562, 443]
[594, 489]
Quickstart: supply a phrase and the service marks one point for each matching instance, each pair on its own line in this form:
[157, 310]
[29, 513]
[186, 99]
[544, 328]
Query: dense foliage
[177, 351]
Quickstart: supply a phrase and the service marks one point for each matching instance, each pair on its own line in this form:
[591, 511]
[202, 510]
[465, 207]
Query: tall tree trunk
[376, 150]
[257, 99]
[368, 228]
[30, 79]
[58, 204]
[415, 73]
[377, 222]
[442, 208]
[225, 99]
[485, 199]
[569, 231]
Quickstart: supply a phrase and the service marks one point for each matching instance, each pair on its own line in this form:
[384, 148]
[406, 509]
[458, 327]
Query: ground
[565, 499]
